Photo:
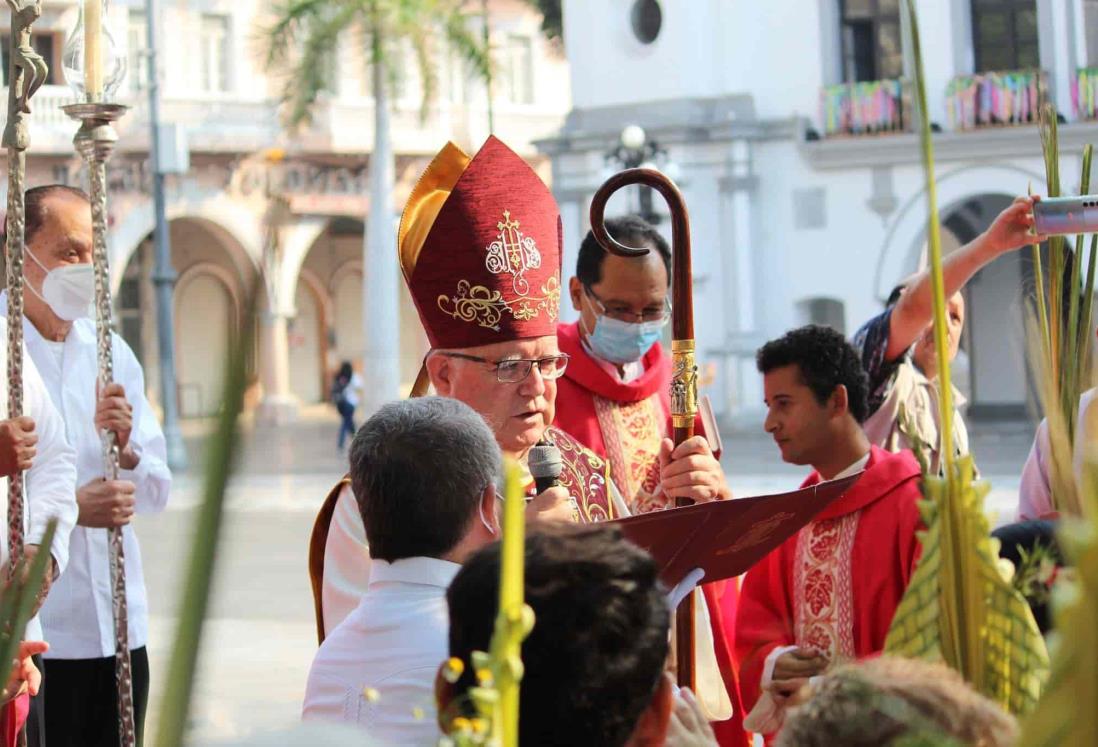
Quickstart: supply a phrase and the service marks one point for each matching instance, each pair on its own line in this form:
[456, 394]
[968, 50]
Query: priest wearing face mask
[614, 397]
[77, 617]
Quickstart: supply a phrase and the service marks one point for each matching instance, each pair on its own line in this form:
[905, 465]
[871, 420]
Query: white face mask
[69, 290]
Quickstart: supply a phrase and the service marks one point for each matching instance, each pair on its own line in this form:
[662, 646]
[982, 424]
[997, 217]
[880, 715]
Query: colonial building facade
[790, 125]
[259, 204]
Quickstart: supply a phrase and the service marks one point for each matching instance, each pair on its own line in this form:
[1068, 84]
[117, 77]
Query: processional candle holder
[26, 73]
[94, 69]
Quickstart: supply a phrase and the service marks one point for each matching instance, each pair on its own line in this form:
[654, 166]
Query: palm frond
[1068, 711]
[314, 69]
[302, 39]
[291, 18]
[468, 46]
[958, 608]
[1063, 326]
[220, 454]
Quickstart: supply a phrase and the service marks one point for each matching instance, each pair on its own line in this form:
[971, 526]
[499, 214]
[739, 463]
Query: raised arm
[1011, 229]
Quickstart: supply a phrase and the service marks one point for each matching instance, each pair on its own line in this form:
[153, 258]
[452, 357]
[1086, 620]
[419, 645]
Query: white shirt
[78, 616]
[50, 482]
[378, 666]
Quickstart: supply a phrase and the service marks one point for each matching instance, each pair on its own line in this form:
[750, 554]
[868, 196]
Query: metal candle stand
[95, 142]
[26, 73]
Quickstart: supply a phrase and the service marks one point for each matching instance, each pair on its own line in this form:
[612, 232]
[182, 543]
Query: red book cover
[725, 538]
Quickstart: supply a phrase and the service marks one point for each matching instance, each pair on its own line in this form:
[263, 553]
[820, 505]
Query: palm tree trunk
[380, 304]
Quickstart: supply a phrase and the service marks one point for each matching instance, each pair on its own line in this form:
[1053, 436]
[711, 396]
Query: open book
[725, 538]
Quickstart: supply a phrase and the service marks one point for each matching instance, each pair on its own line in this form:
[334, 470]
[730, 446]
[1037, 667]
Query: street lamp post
[164, 275]
[635, 149]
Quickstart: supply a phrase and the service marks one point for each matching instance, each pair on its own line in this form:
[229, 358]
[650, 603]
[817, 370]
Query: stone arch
[308, 339]
[236, 226]
[207, 308]
[201, 247]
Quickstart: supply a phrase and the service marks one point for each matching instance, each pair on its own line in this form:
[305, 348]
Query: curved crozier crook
[682, 302]
[684, 371]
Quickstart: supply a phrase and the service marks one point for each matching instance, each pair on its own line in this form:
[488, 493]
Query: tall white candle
[93, 49]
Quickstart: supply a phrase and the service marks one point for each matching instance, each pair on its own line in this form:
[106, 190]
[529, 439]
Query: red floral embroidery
[823, 593]
[819, 588]
[818, 638]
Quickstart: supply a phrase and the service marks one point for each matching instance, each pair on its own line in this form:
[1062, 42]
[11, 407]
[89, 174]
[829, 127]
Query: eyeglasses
[628, 315]
[514, 370]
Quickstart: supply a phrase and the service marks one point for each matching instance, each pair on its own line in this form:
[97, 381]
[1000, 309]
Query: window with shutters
[870, 37]
[1004, 35]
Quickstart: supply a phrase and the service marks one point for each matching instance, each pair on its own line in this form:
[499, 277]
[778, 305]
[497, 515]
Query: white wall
[781, 52]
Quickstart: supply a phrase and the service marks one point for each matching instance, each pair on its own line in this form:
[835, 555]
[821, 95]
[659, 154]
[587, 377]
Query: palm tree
[301, 45]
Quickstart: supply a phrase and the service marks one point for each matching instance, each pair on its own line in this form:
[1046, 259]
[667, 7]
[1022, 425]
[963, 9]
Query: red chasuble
[835, 586]
[624, 422]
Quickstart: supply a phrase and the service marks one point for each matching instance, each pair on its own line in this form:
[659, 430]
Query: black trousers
[82, 700]
[36, 718]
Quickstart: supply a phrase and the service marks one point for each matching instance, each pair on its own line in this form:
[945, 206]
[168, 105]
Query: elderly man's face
[925, 356]
[518, 413]
[65, 237]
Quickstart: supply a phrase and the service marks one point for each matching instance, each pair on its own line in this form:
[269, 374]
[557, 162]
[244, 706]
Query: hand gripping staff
[684, 381]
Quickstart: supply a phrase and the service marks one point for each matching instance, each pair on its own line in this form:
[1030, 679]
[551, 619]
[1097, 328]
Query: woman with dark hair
[345, 389]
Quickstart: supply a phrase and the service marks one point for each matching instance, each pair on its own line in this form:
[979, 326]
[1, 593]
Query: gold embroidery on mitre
[512, 253]
[477, 303]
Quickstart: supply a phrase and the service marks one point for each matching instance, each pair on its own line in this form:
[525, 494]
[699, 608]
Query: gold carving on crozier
[684, 387]
[757, 534]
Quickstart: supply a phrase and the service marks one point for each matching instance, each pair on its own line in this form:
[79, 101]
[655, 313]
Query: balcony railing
[866, 108]
[995, 99]
[1084, 93]
[46, 111]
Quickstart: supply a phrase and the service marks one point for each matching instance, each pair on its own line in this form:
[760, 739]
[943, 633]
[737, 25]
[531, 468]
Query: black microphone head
[544, 461]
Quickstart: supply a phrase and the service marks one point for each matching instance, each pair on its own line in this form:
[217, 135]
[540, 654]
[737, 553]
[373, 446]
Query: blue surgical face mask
[623, 342]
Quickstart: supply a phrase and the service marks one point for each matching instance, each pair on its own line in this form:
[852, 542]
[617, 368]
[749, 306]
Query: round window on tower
[647, 19]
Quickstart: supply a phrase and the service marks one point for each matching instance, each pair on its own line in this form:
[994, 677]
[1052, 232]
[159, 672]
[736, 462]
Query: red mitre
[480, 248]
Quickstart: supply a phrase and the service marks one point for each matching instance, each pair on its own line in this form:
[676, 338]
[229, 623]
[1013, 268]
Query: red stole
[585, 476]
[835, 586]
[624, 423]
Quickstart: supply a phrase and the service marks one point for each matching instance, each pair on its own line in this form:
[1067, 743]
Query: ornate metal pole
[26, 73]
[684, 382]
[95, 142]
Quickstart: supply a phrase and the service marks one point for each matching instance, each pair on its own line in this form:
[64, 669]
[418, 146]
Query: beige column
[277, 405]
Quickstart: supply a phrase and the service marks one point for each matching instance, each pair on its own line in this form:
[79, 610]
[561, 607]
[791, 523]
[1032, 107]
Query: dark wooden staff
[684, 382]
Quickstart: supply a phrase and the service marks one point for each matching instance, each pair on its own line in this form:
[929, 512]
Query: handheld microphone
[1057, 216]
[545, 465]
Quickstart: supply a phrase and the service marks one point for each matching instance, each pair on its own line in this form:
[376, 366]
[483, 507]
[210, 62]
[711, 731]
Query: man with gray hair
[423, 472]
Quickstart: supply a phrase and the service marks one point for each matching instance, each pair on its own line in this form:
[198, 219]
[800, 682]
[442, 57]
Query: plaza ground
[260, 635]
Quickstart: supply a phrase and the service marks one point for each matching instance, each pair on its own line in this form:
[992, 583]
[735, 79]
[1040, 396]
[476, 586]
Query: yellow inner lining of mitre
[426, 201]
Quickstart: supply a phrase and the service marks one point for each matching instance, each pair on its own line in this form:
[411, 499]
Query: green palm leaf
[301, 42]
[959, 608]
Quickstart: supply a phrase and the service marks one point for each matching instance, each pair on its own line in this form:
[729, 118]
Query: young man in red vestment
[827, 594]
[614, 397]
